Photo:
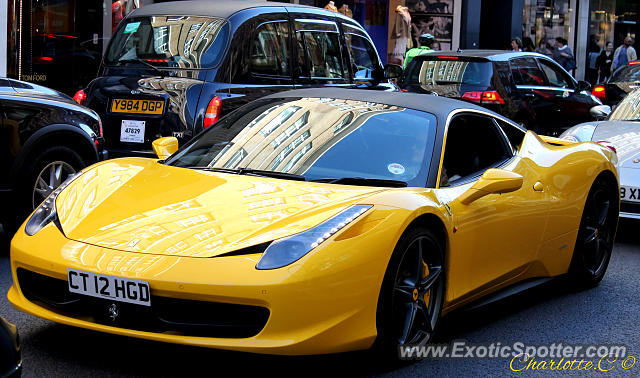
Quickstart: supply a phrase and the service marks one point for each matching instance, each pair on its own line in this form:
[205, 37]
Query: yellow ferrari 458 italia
[317, 221]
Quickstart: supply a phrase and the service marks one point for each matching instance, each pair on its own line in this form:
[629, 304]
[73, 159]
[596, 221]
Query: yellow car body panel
[114, 215]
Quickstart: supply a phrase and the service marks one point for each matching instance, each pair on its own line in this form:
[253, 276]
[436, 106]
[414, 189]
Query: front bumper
[324, 303]
[629, 210]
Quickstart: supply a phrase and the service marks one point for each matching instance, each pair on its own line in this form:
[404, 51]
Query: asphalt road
[608, 314]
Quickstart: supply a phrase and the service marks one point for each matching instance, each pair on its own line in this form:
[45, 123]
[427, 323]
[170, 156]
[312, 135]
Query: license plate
[121, 105]
[132, 131]
[630, 193]
[109, 287]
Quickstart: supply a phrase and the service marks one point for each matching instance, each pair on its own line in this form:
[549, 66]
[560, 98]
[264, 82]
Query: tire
[61, 160]
[595, 236]
[412, 293]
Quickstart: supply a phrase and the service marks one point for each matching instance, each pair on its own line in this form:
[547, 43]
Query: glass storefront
[545, 20]
[612, 21]
[371, 14]
[59, 43]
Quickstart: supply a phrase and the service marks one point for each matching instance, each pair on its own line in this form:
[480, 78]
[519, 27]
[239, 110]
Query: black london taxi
[173, 69]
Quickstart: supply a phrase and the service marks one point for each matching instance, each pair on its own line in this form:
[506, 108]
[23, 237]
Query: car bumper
[630, 210]
[312, 309]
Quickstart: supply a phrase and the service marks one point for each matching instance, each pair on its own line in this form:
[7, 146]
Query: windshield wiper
[255, 172]
[363, 181]
[144, 62]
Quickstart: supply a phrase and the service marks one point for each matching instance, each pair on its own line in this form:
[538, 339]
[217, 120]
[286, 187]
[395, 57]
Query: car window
[444, 71]
[320, 138]
[270, 49]
[525, 71]
[319, 49]
[556, 77]
[627, 73]
[473, 144]
[168, 41]
[362, 54]
[628, 109]
[513, 133]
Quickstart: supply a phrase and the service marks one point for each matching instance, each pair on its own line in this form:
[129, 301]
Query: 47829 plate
[109, 287]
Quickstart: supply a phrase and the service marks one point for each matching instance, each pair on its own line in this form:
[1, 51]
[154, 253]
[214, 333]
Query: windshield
[321, 139]
[435, 72]
[628, 73]
[169, 41]
[628, 109]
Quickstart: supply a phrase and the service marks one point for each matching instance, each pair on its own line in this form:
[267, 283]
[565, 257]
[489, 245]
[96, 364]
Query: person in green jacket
[426, 40]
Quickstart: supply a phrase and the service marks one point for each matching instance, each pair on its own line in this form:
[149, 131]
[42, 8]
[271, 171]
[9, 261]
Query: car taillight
[472, 96]
[80, 97]
[634, 62]
[599, 92]
[492, 97]
[609, 145]
[213, 111]
[486, 97]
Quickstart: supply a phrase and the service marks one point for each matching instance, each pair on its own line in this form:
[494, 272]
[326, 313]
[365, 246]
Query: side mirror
[600, 112]
[583, 86]
[493, 181]
[165, 147]
[392, 71]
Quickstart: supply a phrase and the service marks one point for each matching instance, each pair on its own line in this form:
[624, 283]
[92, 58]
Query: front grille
[170, 315]
[630, 207]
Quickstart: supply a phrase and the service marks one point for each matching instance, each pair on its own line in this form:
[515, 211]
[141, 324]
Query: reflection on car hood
[625, 137]
[140, 205]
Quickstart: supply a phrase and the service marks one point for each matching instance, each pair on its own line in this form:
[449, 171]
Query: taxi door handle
[538, 187]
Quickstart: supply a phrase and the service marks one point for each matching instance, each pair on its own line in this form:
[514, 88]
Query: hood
[140, 205]
[625, 137]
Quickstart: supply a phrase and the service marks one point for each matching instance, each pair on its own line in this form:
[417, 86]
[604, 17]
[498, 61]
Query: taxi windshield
[168, 41]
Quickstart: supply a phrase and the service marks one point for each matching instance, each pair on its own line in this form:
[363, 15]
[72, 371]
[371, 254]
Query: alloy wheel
[417, 292]
[49, 178]
[597, 231]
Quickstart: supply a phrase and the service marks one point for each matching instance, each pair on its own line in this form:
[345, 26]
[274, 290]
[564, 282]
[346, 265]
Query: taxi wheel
[412, 293]
[595, 235]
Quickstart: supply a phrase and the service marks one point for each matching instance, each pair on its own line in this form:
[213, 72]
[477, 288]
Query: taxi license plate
[119, 105]
[630, 193]
[132, 131]
[109, 287]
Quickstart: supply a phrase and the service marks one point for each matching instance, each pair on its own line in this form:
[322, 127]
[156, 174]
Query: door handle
[538, 187]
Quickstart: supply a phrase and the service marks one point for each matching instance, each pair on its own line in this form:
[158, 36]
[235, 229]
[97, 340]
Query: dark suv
[528, 88]
[44, 137]
[172, 69]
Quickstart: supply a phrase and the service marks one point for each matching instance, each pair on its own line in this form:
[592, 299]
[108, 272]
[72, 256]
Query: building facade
[59, 43]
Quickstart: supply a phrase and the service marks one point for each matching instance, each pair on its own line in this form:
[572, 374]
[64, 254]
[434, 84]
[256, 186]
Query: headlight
[285, 251]
[46, 212]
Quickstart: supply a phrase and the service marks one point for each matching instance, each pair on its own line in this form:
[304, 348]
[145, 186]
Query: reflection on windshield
[168, 41]
[628, 109]
[429, 73]
[320, 138]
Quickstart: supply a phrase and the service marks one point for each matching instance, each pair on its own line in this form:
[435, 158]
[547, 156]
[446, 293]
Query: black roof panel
[438, 105]
[211, 8]
[489, 54]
